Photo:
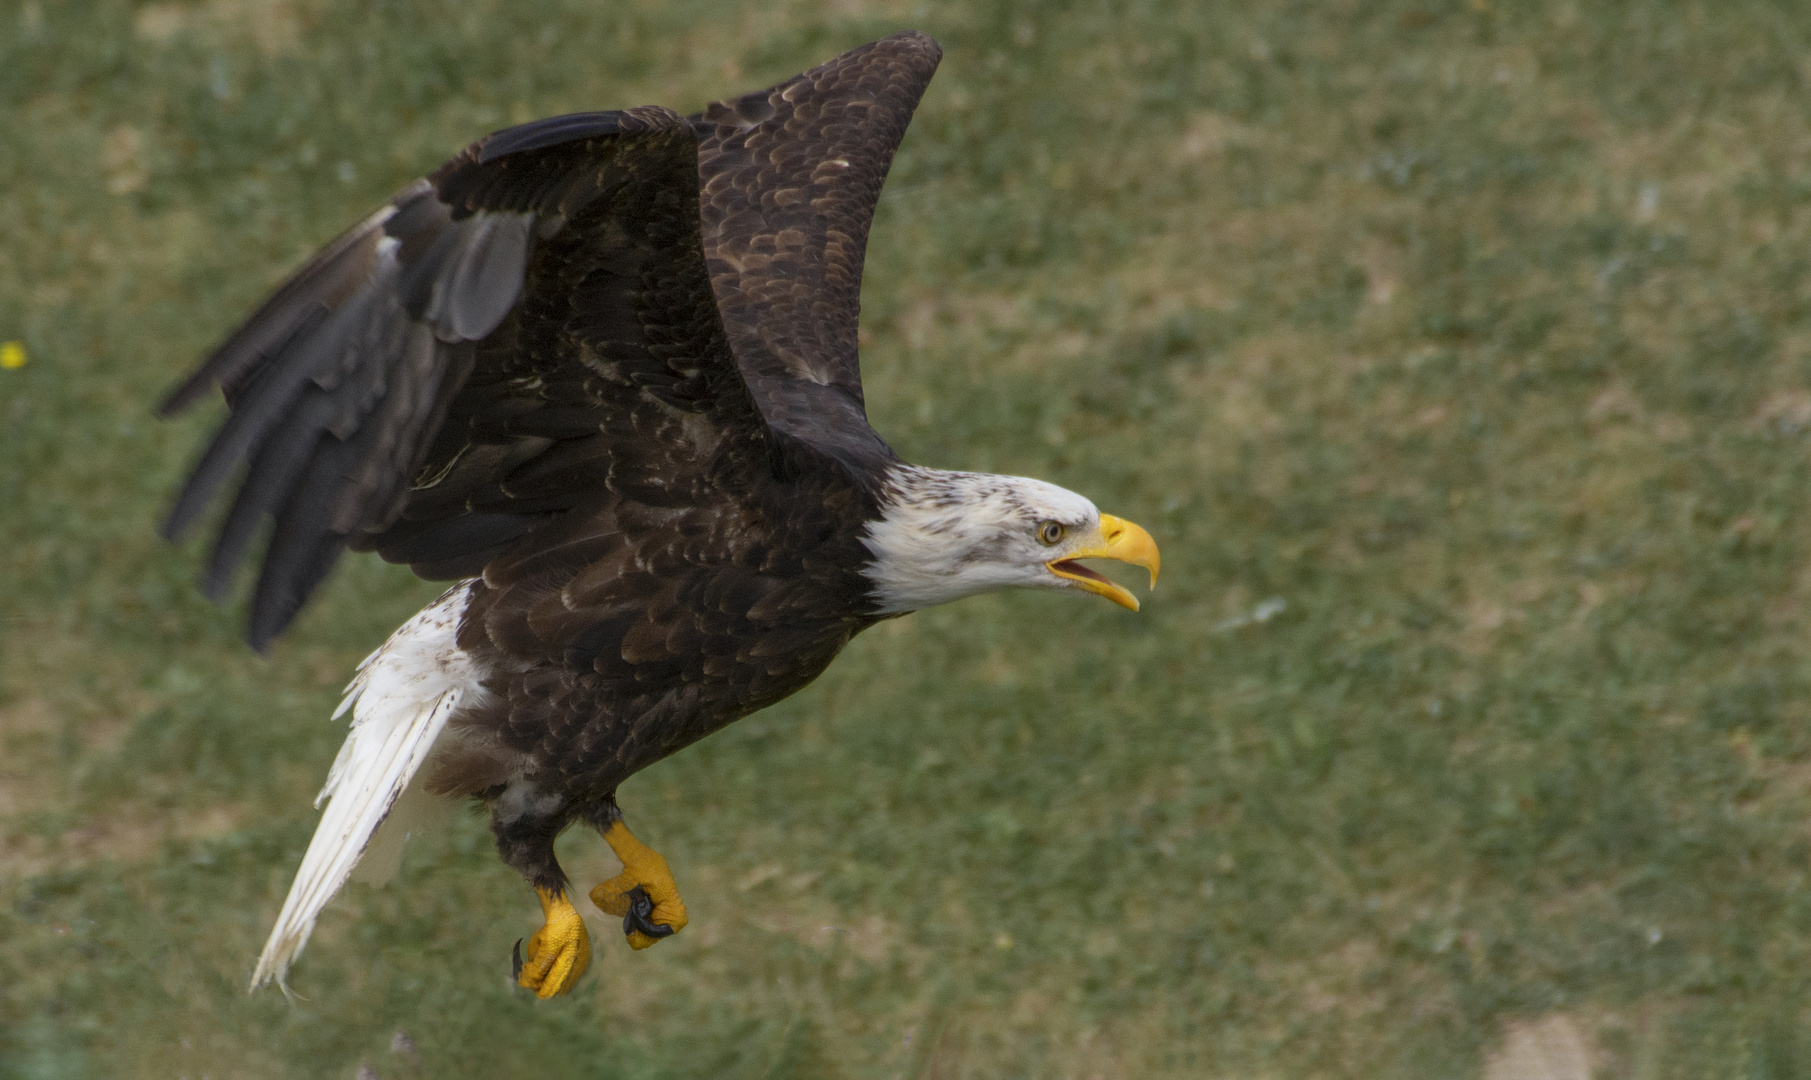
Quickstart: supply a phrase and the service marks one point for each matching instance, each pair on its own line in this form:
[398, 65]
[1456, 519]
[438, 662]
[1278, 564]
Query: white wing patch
[400, 701]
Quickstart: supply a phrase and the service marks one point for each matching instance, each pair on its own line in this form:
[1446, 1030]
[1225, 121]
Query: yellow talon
[559, 952]
[643, 869]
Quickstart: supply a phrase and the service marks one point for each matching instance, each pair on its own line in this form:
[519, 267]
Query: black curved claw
[515, 961]
[640, 907]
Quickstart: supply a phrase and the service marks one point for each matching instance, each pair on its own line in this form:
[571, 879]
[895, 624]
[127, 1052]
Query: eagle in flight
[600, 371]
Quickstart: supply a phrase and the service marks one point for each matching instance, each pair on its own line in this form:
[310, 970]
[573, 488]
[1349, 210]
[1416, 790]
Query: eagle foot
[644, 895]
[638, 920]
[558, 953]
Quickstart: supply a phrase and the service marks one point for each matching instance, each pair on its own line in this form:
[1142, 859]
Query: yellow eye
[1049, 533]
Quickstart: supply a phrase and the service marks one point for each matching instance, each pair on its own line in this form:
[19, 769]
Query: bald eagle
[600, 371]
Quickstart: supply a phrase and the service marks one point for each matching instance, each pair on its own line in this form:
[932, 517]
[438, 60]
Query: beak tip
[1122, 541]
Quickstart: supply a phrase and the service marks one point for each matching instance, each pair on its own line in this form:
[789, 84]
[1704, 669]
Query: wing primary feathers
[319, 286]
[302, 547]
[271, 392]
[308, 537]
[425, 377]
[267, 486]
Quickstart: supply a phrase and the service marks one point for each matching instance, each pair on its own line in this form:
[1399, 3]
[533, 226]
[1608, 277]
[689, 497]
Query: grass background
[1477, 333]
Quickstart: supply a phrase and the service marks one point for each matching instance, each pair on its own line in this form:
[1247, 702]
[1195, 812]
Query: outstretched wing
[529, 324]
[789, 180]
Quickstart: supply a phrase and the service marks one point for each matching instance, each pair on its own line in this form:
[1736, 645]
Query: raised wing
[789, 180]
[504, 339]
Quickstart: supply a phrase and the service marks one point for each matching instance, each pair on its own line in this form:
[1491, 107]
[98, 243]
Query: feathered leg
[526, 824]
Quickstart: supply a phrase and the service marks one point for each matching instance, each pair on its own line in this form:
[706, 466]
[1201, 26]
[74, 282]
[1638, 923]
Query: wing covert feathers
[790, 177]
[400, 702]
[480, 356]
[341, 383]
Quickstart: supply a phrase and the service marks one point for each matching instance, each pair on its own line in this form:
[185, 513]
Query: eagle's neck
[936, 536]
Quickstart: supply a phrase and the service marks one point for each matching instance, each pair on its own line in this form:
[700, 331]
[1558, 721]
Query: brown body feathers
[606, 364]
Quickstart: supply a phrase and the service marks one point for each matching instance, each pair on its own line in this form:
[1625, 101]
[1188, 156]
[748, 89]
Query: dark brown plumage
[602, 370]
[605, 365]
[403, 401]
[591, 449]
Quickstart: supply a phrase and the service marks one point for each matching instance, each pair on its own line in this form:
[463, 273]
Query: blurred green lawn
[1468, 340]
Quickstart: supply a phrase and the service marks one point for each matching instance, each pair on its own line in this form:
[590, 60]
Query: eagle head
[945, 535]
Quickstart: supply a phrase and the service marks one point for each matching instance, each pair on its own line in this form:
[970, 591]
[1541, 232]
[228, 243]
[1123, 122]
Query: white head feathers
[946, 535]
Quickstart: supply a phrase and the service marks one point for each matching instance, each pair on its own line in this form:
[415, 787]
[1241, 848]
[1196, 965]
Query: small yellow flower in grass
[12, 355]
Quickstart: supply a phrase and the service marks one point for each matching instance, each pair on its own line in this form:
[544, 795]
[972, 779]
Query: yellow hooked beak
[1119, 540]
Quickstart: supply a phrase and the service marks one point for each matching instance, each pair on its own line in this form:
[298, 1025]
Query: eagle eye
[1050, 532]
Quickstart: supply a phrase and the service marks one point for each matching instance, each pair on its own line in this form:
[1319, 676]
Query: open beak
[1121, 541]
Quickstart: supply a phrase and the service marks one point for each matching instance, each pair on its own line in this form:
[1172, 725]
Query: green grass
[1477, 333]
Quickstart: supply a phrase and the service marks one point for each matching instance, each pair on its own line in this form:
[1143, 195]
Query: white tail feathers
[400, 702]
